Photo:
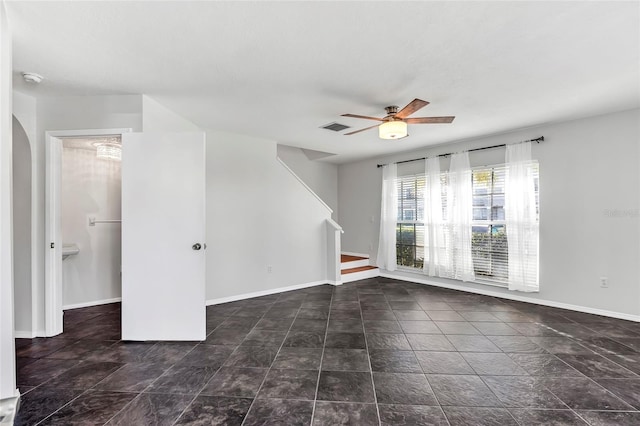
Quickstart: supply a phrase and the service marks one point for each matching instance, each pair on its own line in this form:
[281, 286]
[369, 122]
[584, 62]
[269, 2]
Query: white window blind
[410, 224]
[489, 238]
[489, 231]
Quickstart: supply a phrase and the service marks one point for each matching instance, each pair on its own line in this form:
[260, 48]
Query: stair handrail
[335, 225]
[305, 185]
[334, 249]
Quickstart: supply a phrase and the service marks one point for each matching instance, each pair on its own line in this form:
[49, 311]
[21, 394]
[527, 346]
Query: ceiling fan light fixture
[392, 130]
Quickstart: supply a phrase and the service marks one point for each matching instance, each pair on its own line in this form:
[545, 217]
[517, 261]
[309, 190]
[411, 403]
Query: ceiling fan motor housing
[391, 110]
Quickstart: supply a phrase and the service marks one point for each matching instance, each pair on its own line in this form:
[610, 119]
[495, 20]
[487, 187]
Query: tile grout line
[566, 405]
[139, 394]
[128, 403]
[568, 320]
[45, 382]
[446, 418]
[426, 376]
[555, 355]
[324, 344]
[366, 345]
[115, 371]
[85, 391]
[186, 407]
[60, 408]
[594, 382]
[274, 358]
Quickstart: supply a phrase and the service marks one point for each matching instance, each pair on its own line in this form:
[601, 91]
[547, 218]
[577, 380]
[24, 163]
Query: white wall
[21, 187]
[91, 187]
[158, 118]
[259, 215]
[588, 168]
[70, 113]
[7, 348]
[320, 176]
[24, 111]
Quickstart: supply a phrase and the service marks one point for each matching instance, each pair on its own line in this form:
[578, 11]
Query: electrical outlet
[604, 282]
[269, 269]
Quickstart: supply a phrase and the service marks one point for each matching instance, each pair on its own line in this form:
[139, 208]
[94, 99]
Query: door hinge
[52, 245]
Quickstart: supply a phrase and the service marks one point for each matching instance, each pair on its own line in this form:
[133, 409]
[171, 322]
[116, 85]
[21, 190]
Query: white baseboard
[550, 303]
[25, 334]
[9, 407]
[362, 275]
[350, 253]
[264, 293]
[93, 303]
[334, 282]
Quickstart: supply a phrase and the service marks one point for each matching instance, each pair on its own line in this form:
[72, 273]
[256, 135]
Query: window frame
[482, 279]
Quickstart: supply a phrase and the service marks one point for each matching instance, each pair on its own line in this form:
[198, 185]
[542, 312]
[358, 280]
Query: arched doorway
[23, 312]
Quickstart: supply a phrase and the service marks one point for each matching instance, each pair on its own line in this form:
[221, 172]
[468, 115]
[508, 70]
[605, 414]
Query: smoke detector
[32, 77]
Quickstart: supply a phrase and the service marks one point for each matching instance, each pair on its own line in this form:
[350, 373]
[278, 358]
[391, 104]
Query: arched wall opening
[21, 188]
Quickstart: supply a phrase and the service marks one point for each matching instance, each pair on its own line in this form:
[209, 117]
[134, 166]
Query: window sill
[416, 271]
[490, 283]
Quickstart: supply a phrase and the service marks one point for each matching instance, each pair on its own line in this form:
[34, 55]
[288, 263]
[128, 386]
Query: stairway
[354, 268]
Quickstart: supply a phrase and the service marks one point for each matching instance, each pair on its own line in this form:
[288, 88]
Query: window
[489, 238]
[489, 233]
[410, 226]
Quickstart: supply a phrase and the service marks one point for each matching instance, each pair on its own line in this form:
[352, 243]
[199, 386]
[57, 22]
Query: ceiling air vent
[336, 127]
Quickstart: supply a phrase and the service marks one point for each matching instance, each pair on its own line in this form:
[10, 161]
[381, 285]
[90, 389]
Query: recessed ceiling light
[32, 77]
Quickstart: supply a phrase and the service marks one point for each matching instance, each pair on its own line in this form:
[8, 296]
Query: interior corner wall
[158, 118]
[7, 342]
[70, 113]
[24, 110]
[259, 219]
[320, 176]
[589, 208]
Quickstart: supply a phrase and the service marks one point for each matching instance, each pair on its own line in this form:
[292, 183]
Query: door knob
[196, 246]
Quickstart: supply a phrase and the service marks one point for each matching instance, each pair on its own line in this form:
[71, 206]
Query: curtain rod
[538, 140]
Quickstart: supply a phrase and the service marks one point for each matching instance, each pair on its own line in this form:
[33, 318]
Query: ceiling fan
[394, 125]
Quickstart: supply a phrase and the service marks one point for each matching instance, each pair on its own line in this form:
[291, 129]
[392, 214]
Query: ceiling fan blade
[412, 107]
[361, 130]
[362, 116]
[429, 120]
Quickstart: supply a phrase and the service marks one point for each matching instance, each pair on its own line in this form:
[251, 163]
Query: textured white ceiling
[279, 70]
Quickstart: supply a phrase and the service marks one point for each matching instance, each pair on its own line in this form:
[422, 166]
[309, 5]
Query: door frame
[53, 322]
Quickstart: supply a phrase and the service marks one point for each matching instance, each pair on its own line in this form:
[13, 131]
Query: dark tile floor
[373, 352]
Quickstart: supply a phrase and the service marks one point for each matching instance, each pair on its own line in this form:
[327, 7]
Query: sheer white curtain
[458, 222]
[436, 259]
[521, 220]
[388, 219]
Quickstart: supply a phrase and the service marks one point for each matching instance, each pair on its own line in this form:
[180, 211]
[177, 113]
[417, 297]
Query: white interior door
[53, 238]
[163, 231]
